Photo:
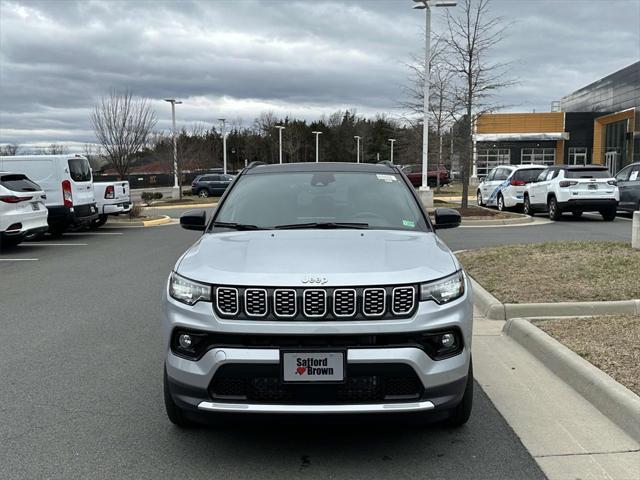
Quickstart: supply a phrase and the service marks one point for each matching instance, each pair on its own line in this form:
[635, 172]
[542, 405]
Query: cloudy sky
[237, 58]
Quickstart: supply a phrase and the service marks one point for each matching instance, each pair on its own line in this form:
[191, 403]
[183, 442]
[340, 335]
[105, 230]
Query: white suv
[505, 184]
[22, 209]
[574, 189]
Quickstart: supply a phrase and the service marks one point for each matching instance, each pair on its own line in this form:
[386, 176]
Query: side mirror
[447, 218]
[194, 220]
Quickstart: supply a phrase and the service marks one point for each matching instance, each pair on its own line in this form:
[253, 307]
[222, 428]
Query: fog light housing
[185, 341]
[448, 340]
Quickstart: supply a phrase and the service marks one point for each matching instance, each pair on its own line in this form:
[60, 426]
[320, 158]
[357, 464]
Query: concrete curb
[505, 221]
[493, 309]
[171, 207]
[615, 401]
[159, 221]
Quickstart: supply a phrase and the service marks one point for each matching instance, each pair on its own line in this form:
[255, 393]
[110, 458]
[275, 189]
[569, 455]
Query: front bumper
[442, 382]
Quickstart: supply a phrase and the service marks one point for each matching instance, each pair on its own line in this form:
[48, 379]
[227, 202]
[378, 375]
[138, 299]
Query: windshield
[269, 200]
[588, 173]
[79, 170]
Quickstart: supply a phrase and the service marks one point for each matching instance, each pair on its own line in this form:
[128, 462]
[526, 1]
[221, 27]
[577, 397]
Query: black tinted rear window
[528, 175]
[19, 183]
[79, 170]
[587, 173]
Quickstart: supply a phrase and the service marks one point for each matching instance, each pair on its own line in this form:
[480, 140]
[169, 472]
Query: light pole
[426, 5]
[176, 185]
[317, 134]
[224, 144]
[392, 141]
[280, 128]
[357, 137]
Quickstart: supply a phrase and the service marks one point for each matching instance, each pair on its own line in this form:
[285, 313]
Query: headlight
[187, 291]
[443, 290]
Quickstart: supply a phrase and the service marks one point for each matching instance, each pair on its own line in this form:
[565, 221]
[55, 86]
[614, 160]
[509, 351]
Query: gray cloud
[237, 58]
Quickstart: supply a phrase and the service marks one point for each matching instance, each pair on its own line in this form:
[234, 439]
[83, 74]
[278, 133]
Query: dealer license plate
[312, 366]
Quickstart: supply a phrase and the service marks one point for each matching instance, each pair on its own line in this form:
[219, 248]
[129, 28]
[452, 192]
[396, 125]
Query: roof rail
[255, 163]
[386, 162]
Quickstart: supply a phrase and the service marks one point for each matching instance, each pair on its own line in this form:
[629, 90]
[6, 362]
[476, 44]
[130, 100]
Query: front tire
[459, 415]
[555, 213]
[609, 214]
[501, 206]
[479, 199]
[174, 412]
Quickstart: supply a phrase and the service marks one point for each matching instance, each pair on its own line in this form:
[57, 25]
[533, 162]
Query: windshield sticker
[386, 178]
[408, 223]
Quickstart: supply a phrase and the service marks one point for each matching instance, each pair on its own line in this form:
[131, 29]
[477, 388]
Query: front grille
[314, 303]
[329, 303]
[255, 302]
[344, 302]
[374, 302]
[285, 303]
[363, 384]
[227, 300]
[403, 298]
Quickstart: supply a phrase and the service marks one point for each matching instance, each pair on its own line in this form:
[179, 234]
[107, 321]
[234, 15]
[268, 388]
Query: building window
[577, 156]
[489, 158]
[538, 156]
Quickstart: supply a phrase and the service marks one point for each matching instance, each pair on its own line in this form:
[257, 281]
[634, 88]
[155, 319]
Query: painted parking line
[40, 244]
[94, 233]
[18, 259]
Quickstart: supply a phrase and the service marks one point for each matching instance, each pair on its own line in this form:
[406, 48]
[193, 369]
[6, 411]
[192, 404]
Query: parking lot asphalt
[81, 391]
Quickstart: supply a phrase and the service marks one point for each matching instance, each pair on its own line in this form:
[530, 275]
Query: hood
[336, 257]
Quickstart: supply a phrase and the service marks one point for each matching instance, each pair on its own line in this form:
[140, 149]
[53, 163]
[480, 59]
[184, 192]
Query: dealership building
[598, 124]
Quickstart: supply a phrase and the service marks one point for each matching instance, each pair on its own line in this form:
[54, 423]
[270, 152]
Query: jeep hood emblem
[318, 280]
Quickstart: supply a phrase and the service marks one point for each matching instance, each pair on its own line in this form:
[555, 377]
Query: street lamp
[317, 134]
[357, 137]
[224, 145]
[392, 141]
[176, 186]
[426, 5]
[280, 128]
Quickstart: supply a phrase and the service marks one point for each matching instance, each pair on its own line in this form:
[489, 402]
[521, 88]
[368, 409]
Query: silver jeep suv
[318, 288]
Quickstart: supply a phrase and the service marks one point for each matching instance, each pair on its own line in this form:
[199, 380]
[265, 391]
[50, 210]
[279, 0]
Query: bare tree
[56, 149]
[122, 124]
[472, 35]
[9, 149]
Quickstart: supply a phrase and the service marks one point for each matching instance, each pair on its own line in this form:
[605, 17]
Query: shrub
[147, 196]
[157, 196]
[136, 210]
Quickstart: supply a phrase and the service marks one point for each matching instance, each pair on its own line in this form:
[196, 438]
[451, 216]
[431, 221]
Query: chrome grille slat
[374, 302]
[403, 300]
[285, 302]
[344, 302]
[227, 300]
[314, 303]
[255, 302]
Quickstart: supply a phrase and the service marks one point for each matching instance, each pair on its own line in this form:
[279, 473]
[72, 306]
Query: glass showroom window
[488, 158]
[578, 156]
[539, 156]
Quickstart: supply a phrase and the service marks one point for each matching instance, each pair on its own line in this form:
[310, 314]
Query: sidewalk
[568, 437]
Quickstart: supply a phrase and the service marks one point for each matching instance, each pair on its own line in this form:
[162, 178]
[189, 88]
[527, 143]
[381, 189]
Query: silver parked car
[318, 288]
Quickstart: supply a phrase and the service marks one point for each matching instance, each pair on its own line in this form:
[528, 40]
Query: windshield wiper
[327, 225]
[236, 226]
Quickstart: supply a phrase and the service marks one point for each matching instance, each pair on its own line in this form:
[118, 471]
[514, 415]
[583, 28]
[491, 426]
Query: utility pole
[224, 145]
[357, 137]
[280, 128]
[426, 5]
[176, 184]
[317, 134]
[392, 141]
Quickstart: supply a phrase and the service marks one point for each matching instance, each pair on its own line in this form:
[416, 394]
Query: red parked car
[414, 173]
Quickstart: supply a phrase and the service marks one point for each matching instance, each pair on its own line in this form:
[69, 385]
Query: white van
[67, 182]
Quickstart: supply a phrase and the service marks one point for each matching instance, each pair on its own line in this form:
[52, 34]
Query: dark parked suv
[629, 185]
[211, 185]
